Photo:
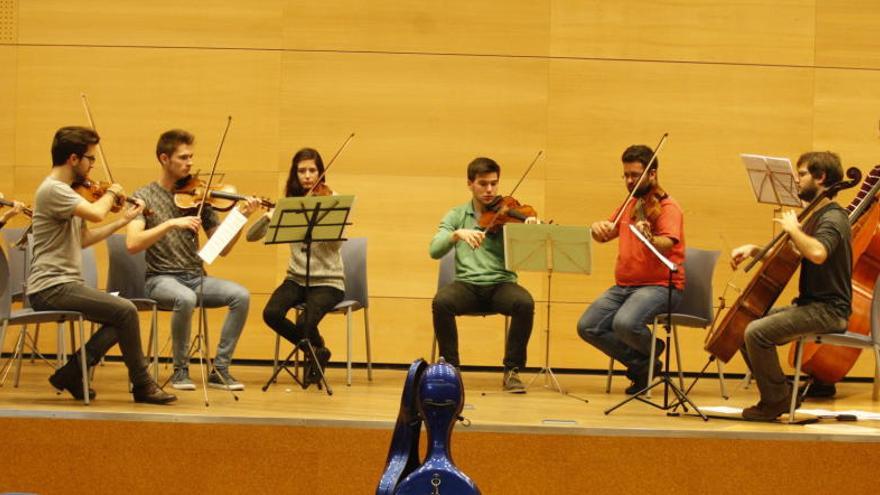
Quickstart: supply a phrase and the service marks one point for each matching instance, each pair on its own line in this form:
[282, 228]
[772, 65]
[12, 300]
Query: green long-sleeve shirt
[481, 266]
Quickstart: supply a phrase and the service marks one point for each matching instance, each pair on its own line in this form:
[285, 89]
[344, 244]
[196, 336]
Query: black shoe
[640, 379]
[150, 393]
[818, 390]
[69, 377]
[310, 373]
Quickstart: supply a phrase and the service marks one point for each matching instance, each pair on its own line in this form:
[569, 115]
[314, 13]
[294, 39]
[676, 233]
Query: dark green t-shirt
[830, 282]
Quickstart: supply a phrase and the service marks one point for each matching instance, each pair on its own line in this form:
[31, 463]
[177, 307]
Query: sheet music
[773, 179]
[663, 259]
[224, 234]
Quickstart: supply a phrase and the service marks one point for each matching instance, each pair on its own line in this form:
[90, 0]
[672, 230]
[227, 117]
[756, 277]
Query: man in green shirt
[482, 284]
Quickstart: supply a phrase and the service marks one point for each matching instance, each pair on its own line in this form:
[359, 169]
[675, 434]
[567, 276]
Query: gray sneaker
[220, 378]
[512, 383]
[180, 380]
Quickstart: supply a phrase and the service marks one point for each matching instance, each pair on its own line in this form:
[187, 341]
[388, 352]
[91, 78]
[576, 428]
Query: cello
[781, 261]
[830, 363]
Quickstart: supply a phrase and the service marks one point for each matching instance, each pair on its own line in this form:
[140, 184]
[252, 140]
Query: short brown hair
[170, 140]
[72, 140]
[823, 162]
[482, 165]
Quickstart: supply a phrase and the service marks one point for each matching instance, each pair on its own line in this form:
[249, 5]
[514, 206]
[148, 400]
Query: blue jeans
[178, 292]
[617, 322]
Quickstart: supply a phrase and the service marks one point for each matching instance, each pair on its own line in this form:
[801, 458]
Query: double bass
[781, 261]
[830, 363]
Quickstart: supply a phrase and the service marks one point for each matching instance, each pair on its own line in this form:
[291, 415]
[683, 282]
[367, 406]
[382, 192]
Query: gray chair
[445, 276]
[695, 310]
[354, 260]
[846, 339]
[18, 262]
[28, 316]
[126, 275]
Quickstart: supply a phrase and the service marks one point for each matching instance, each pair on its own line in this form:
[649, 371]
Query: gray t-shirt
[177, 251]
[57, 257]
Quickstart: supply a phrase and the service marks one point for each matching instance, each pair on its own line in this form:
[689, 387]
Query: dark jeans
[617, 322]
[781, 326]
[118, 318]
[508, 298]
[319, 301]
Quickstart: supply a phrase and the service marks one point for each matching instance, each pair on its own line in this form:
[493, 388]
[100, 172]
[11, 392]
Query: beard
[642, 190]
[808, 194]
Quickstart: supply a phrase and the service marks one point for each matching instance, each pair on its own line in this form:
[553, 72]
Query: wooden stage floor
[374, 405]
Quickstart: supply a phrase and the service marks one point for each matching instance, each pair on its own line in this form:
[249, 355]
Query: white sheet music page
[223, 236]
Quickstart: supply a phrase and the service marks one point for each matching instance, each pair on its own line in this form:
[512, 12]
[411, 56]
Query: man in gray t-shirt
[55, 281]
[175, 274]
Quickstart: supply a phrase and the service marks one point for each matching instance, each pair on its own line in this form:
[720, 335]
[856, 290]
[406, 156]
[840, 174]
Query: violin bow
[329, 164]
[521, 179]
[101, 155]
[635, 188]
[214, 166]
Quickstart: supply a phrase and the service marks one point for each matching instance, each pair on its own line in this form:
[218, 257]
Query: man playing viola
[174, 270]
[482, 284]
[825, 286]
[56, 282]
[617, 322]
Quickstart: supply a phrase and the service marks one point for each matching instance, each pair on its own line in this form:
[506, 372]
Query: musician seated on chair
[482, 284]
[16, 208]
[824, 301]
[326, 277]
[170, 236]
[56, 283]
[617, 322]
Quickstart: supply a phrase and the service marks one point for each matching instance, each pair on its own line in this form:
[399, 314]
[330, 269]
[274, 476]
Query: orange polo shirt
[636, 264]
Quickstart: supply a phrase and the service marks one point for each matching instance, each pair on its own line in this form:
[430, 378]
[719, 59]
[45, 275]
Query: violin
[26, 210]
[93, 191]
[502, 210]
[190, 190]
[320, 189]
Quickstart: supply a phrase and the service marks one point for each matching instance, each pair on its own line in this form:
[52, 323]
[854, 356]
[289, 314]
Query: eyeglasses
[90, 158]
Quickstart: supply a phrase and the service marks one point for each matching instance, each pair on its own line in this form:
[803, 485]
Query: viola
[502, 210]
[93, 191]
[441, 399]
[830, 363]
[189, 191]
[781, 261]
[403, 454]
[26, 210]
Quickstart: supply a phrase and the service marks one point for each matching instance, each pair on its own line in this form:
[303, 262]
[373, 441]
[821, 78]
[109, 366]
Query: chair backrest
[354, 260]
[90, 267]
[5, 292]
[127, 272]
[875, 313]
[699, 266]
[446, 274]
[17, 261]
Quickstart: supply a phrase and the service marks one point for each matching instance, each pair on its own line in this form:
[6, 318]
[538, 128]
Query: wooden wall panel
[748, 31]
[136, 94]
[846, 33]
[215, 23]
[518, 27]
[415, 115]
[847, 115]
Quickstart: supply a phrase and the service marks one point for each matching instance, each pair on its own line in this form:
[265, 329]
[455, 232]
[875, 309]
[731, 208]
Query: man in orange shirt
[617, 322]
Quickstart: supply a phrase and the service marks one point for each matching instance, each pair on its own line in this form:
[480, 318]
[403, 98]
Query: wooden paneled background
[427, 86]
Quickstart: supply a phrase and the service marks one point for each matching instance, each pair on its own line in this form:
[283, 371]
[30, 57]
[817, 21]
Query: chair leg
[367, 338]
[434, 349]
[876, 393]
[275, 358]
[348, 347]
[62, 353]
[678, 357]
[19, 350]
[154, 342]
[651, 358]
[36, 349]
[799, 351]
[84, 364]
[610, 375]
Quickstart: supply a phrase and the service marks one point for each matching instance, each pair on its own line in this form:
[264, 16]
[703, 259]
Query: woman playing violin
[326, 279]
[481, 281]
[616, 322]
[15, 207]
[56, 281]
[174, 269]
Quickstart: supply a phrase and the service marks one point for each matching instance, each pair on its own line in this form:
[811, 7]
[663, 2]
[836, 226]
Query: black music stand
[663, 379]
[306, 220]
